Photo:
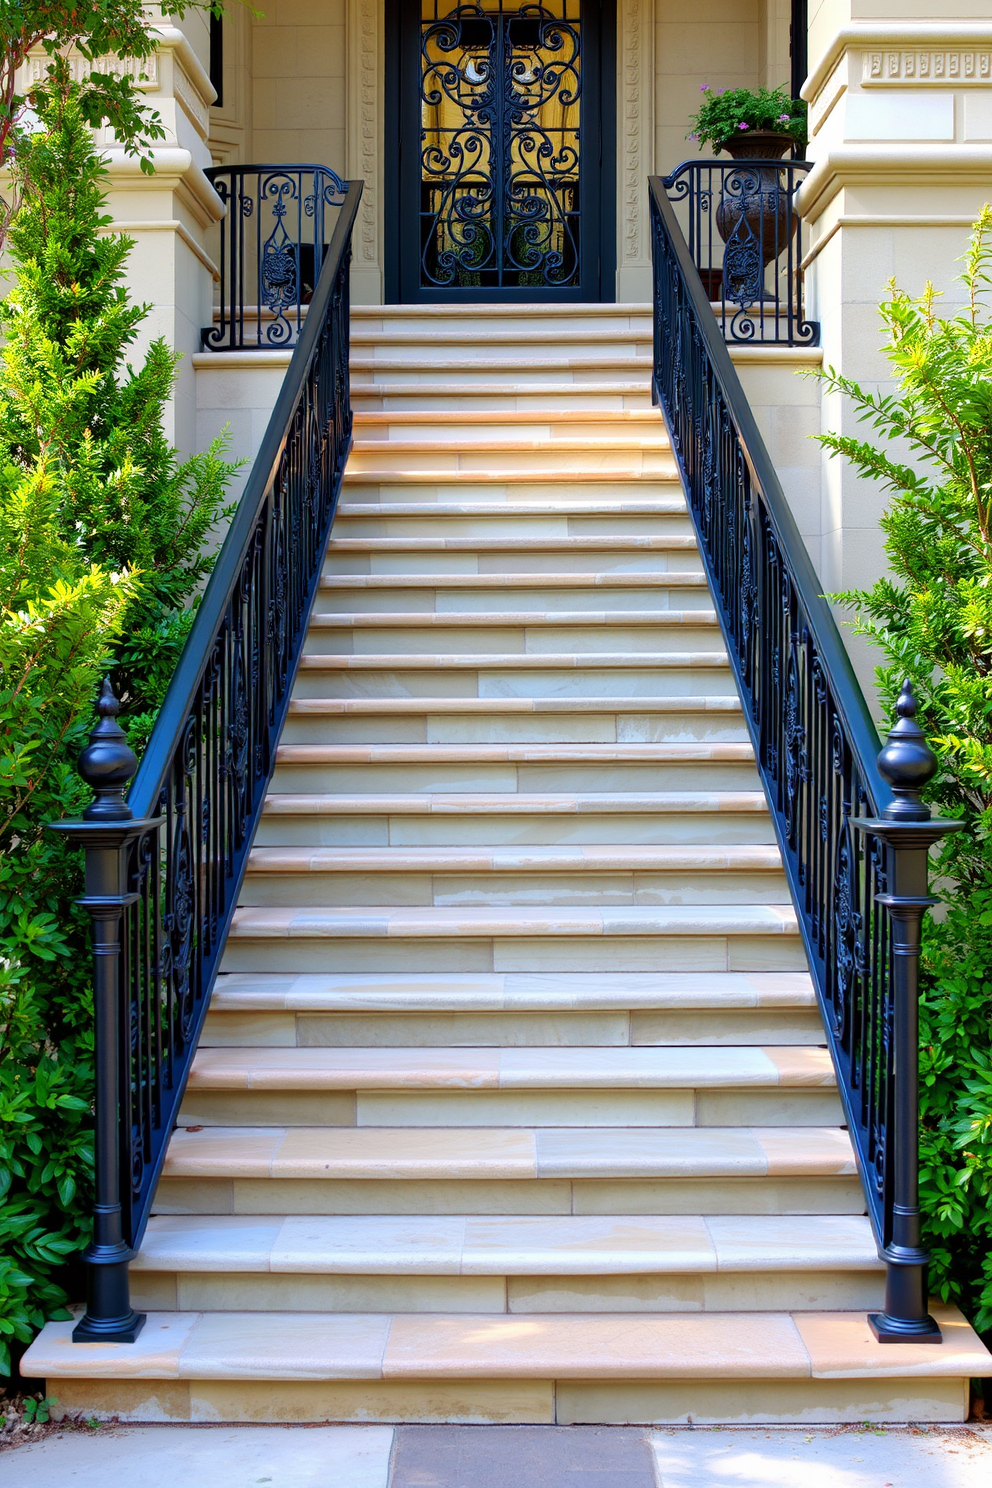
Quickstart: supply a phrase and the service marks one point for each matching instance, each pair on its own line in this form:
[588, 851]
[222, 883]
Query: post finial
[107, 763]
[907, 762]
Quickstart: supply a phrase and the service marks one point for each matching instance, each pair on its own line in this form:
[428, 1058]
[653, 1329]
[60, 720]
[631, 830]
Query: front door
[500, 175]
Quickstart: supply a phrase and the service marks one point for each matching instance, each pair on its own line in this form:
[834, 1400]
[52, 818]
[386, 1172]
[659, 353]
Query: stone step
[484, 314]
[527, 478]
[557, 389]
[673, 590]
[512, 720]
[527, 342]
[511, 519]
[478, 632]
[626, 678]
[494, 457]
[505, 768]
[569, 1367]
[631, 554]
[457, 876]
[406, 1011]
[245, 1169]
[429, 819]
[494, 424]
[523, 1264]
[678, 1086]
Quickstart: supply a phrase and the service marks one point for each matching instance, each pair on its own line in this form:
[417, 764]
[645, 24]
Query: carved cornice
[935, 38]
[916, 66]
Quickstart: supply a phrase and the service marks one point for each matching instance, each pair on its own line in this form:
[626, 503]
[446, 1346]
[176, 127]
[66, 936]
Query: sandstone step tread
[454, 416]
[669, 579]
[525, 753]
[487, 803]
[425, 1346]
[674, 542]
[500, 310]
[500, 1154]
[568, 444]
[332, 707]
[530, 991]
[517, 1245]
[487, 619]
[598, 661]
[558, 475]
[665, 507]
[637, 858]
[430, 922]
[606, 1068]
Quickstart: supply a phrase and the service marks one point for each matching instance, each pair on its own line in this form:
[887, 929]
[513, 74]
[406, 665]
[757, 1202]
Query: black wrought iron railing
[272, 242]
[745, 239]
[853, 832]
[163, 870]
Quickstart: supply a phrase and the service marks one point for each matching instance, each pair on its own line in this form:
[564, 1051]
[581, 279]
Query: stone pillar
[901, 133]
[169, 213]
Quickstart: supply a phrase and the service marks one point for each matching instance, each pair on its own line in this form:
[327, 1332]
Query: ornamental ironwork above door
[501, 200]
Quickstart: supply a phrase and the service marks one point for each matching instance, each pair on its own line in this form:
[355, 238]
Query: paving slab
[874, 1457]
[220, 1456]
[521, 1457]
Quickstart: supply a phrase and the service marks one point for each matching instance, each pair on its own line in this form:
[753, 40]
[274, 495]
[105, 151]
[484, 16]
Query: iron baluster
[741, 225]
[852, 832]
[272, 250]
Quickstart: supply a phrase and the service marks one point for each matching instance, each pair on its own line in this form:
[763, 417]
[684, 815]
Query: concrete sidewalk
[503, 1457]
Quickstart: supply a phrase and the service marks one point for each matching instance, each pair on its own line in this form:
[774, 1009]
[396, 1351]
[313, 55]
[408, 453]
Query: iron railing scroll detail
[745, 239]
[273, 239]
[850, 824]
[164, 868]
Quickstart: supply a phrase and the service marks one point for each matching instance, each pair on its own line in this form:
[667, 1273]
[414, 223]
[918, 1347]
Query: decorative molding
[635, 120]
[189, 100]
[943, 67]
[166, 224]
[365, 22]
[143, 71]
[904, 36]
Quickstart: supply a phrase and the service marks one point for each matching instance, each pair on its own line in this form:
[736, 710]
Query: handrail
[162, 900]
[852, 830]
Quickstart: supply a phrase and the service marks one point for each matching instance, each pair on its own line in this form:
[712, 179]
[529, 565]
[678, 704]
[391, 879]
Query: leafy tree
[932, 618]
[94, 29]
[102, 554]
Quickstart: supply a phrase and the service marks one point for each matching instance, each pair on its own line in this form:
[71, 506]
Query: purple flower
[704, 87]
[694, 135]
[783, 119]
[743, 126]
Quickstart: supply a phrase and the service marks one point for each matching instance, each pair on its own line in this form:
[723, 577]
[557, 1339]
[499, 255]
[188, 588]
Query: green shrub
[932, 618]
[102, 539]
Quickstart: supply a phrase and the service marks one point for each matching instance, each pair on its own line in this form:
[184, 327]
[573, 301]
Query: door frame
[602, 239]
[635, 155]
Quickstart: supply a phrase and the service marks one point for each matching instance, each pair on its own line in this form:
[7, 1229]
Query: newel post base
[106, 833]
[908, 831]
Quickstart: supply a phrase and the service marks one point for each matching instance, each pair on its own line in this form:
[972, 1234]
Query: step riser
[519, 830]
[563, 953]
[513, 779]
[324, 638]
[515, 728]
[523, 597]
[512, 524]
[266, 1292]
[565, 560]
[572, 1108]
[389, 392]
[508, 1401]
[624, 684]
[494, 460]
[538, 426]
[748, 1026]
[499, 889]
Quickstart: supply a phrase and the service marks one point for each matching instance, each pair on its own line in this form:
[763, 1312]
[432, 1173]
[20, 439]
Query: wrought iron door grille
[500, 113]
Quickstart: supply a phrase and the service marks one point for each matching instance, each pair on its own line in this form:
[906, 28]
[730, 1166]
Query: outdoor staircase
[513, 1102]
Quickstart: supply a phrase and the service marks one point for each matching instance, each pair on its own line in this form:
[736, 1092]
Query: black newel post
[105, 833]
[908, 764]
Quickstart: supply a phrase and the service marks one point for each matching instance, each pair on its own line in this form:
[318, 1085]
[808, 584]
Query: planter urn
[755, 216]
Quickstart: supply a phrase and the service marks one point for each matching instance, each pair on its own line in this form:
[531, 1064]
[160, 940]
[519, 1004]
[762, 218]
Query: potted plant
[750, 123]
[754, 216]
